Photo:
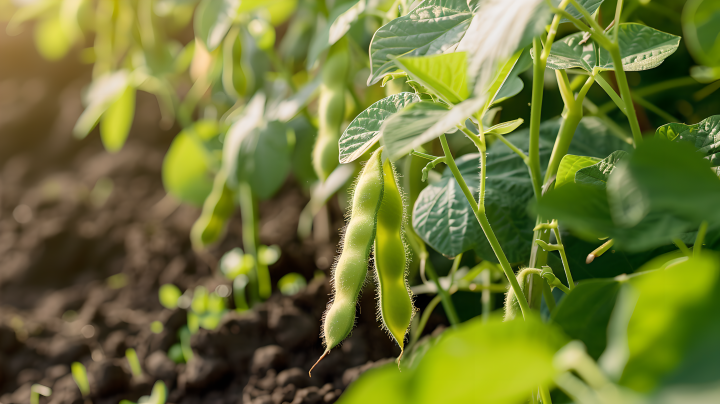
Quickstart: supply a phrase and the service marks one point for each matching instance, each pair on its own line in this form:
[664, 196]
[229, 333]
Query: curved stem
[565, 262]
[697, 247]
[444, 295]
[479, 211]
[423, 320]
[625, 93]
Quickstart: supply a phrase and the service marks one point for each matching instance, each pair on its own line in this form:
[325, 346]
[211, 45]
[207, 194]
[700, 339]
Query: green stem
[625, 93]
[479, 211]
[611, 92]
[653, 108]
[260, 278]
[565, 262]
[486, 298]
[697, 247]
[549, 298]
[444, 295]
[681, 245]
[545, 395]
[424, 319]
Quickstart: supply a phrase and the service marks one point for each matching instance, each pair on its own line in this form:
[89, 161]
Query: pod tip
[318, 361]
[590, 258]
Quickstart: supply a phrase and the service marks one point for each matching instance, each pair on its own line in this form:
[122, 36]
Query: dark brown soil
[62, 237]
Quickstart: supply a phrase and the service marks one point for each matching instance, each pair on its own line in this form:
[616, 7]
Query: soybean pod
[394, 298]
[331, 110]
[352, 265]
[216, 211]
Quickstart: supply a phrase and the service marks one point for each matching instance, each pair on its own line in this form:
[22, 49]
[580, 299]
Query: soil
[72, 216]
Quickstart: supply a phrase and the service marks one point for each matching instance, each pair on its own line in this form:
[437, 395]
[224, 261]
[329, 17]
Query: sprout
[79, 374]
[36, 390]
[134, 362]
[291, 283]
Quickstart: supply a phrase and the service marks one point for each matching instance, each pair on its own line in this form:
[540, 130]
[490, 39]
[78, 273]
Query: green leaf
[700, 19]
[704, 136]
[213, 19]
[584, 314]
[277, 10]
[590, 5]
[455, 369]
[664, 176]
[103, 91]
[444, 73]
[676, 309]
[598, 174]
[186, 168]
[513, 84]
[585, 209]
[442, 216]
[406, 129]
[505, 127]
[569, 165]
[364, 131]
[79, 374]
[116, 121]
[264, 158]
[431, 28]
[291, 283]
[641, 48]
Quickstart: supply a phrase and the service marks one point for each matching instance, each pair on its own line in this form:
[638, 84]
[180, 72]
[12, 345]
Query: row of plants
[266, 89]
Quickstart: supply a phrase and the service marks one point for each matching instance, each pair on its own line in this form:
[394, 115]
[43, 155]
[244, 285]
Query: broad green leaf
[444, 73]
[590, 5]
[103, 91]
[513, 84]
[265, 157]
[598, 174]
[404, 130]
[505, 127]
[585, 209]
[442, 216]
[664, 176]
[641, 48]
[433, 27]
[569, 165]
[496, 32]
[364, 131]
[676, 309]
[186, 168]
[455, 369]
[213, 19]
[116, 121]
[584, 313]
[700, 20]
[704, 136]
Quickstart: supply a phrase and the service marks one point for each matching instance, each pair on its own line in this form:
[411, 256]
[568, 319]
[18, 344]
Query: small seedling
[134, 362]
[169, 295]
[37, 390]
[157, 396]
[291, 283]
[79, 374]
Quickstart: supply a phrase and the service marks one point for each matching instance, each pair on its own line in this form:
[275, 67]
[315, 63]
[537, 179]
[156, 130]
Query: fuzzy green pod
[351, 268]
[394, 297]
[512, 306]
[216, 211]
[331, 110]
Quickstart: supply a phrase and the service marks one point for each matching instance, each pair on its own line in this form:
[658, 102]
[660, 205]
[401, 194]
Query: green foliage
[134, 362]
[445, 73]
[704, 136]
[700, 19]
[455, 369]
[79, 374]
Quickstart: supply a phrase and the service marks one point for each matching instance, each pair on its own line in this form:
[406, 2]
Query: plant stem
[444, 295]
[479, 211]
[684, 248]
[697, 247]
[566, 264]
[545, 395]
[486, 298]
[260, 278]
[599, 251]
[424, 319]
[611, 92]
[621, 79]
[653, 108]
[549, 298]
